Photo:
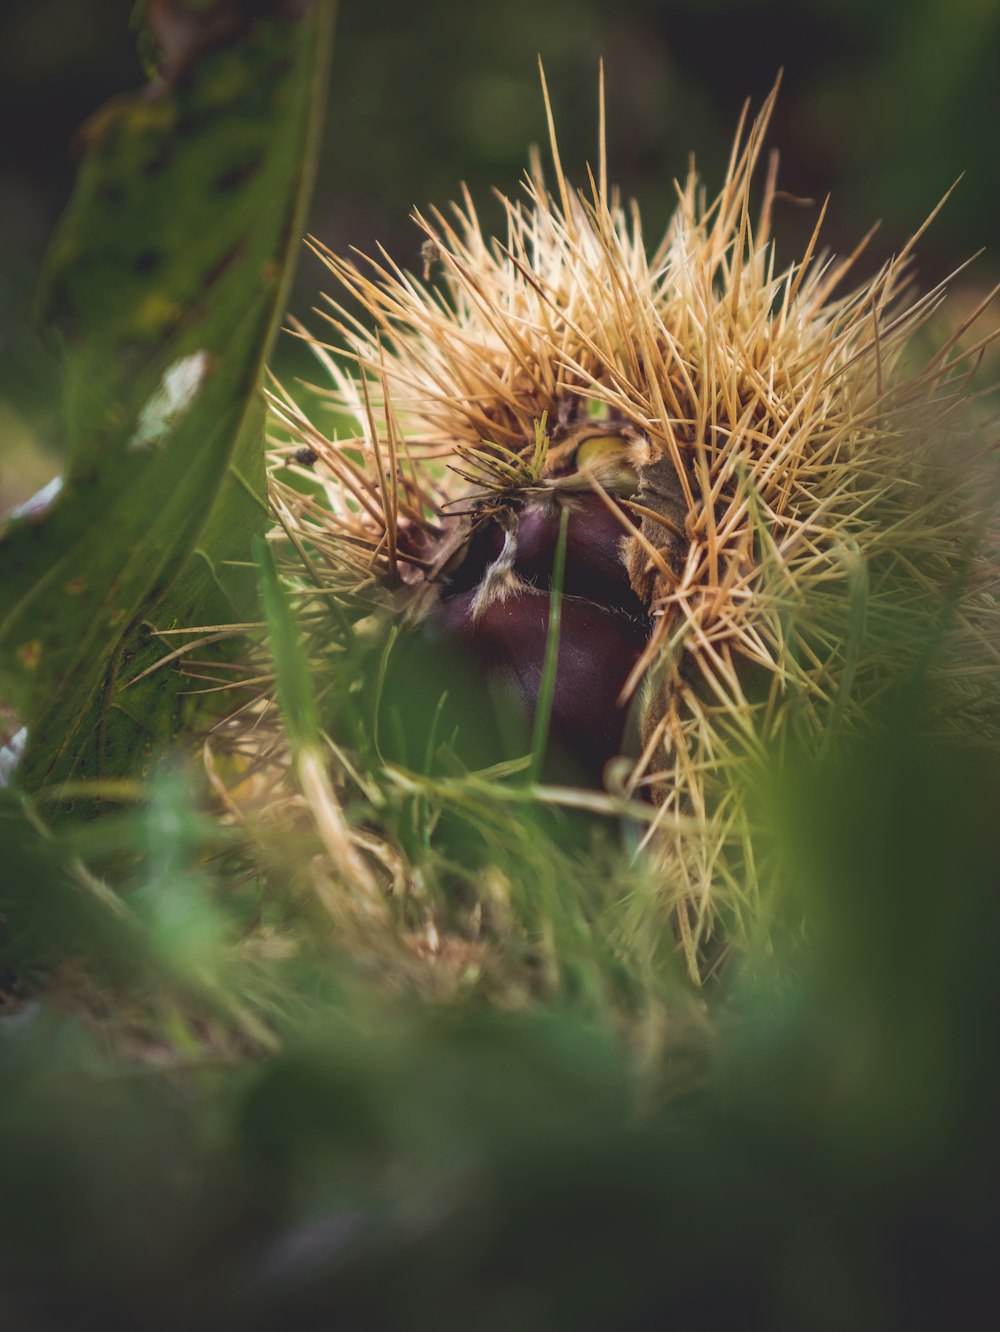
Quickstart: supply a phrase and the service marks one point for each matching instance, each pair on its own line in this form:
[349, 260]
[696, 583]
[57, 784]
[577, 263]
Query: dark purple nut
[597, 650]
[595, 565]
[467, 567]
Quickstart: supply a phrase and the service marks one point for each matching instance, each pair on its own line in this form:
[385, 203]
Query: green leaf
[547, 685]
[291, 666]
[166, 281]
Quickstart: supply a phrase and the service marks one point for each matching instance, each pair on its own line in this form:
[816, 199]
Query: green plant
[166, 282]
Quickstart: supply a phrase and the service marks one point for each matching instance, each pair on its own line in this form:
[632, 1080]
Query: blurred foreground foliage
[165, 283]
[812, 1146]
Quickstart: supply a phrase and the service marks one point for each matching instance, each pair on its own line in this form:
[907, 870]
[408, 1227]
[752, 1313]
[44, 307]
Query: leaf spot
[155, 312]
[235, 176]
[29, 654]
[10, 755]
[39, 503]
[177, 390]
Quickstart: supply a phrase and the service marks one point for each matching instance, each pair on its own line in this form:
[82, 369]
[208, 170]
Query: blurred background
[883, 105]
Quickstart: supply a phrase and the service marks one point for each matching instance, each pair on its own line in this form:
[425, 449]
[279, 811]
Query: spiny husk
[829, 526]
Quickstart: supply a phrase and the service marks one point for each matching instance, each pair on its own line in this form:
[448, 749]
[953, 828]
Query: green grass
[224, 1108]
